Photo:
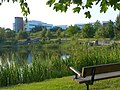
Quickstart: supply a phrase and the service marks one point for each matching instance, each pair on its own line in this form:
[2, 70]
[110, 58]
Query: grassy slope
[66, 83]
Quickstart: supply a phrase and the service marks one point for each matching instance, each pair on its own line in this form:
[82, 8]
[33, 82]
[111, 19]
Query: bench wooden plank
[104, 68]
[98, 77]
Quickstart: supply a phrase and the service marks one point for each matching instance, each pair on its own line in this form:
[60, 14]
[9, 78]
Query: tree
[37, 29]
[23, 5]
[88, 31]
[2, 34]
[97, 25]
[22, 35]
[43, 32]
[99, 33]
[58, 32]
[72, 30]
[110, 29]
[117, 27]
[48, 34]
[63, 34]
[63, 5]
[54, 29]
[9, 33]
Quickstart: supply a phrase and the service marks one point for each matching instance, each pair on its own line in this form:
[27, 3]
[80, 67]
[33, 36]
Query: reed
[52, 66]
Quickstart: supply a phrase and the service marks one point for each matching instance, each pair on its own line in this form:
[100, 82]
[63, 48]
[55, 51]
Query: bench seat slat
[98, 77]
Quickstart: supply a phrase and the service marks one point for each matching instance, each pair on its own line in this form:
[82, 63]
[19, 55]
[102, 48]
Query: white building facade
[31, 24]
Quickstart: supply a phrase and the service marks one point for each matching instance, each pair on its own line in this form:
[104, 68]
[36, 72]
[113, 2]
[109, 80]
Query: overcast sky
[41, 12]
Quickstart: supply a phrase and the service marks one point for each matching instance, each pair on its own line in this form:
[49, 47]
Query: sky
[41, 12]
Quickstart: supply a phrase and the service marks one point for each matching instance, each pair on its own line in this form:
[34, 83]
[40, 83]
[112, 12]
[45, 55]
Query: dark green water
[27, 55]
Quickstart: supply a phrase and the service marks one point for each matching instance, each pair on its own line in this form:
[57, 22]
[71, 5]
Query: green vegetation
[41, 34]
[47, 65]
[66, 83]
[63, 5]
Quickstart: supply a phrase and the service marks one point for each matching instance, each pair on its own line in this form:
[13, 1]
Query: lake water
[23, 56]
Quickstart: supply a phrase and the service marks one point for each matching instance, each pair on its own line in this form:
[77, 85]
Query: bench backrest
[99, 69]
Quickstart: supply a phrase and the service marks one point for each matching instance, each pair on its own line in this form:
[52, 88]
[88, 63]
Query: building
[62, 26]
[105, 23]
[19, 24]
[31, 24]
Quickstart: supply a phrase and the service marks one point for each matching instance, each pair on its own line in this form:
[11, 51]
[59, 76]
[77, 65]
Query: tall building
[19, 24]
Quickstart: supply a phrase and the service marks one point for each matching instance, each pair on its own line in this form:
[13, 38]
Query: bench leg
[87, 85]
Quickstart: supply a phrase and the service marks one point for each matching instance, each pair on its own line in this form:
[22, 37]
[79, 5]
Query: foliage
[2, 34]
[99, 33]
[88, 31]
[48, 34]
[43, 32]
[109, 30]
[54, 29]
[58, 32]
[117, 27]
[23, 5]
[22, 34]
[48, 65]
[72, 30]
[10, 33]
[63, 5]
[97, 25]
[63, 34]
[37, 29]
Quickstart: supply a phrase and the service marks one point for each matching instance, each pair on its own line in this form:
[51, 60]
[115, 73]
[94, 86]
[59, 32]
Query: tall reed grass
[52, 67]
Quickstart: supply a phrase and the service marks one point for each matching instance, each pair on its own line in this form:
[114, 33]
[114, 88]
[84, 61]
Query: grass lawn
[66, 83]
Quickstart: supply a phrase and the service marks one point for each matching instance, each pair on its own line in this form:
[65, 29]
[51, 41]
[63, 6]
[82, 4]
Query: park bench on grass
[90, 74]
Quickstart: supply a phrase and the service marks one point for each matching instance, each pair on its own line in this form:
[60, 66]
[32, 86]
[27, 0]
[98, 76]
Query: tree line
[97, 30]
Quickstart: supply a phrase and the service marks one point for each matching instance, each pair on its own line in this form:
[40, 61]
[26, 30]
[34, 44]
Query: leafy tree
[110, 29]
[117, 27]
[2, 34]
[54, 29]
[88, 31]
[22, 34]
[99, 33]
[97, 25]
[23, 5]
[48, 34]
[63, 5]
[9, 33]
[43, 32]
[58, 32]
[72, 30]
[63, 34]
[37, 29]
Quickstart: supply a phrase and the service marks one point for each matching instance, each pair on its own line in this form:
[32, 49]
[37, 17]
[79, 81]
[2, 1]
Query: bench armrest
[75, 71]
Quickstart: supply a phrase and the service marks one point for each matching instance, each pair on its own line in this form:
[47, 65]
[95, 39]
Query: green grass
[66, 83]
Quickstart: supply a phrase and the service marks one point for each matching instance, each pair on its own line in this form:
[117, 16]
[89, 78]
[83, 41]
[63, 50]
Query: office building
[31, 24]
[19, 24]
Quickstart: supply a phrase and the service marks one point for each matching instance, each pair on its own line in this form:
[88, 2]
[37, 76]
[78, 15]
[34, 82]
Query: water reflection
[22, 56]
[29, 58]
[65, 56]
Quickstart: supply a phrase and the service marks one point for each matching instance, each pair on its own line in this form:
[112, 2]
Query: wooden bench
[90, 74]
